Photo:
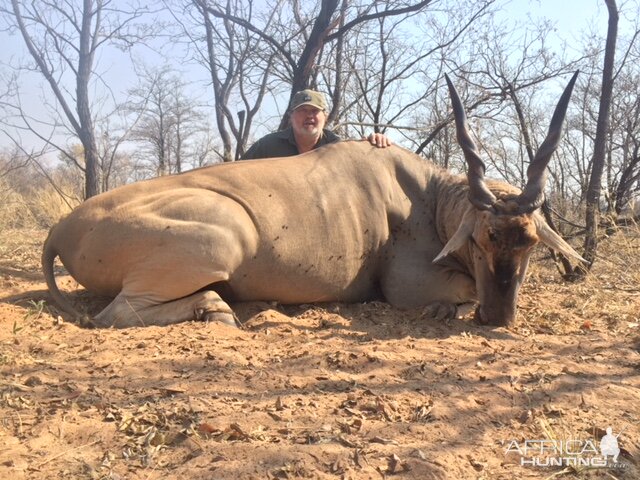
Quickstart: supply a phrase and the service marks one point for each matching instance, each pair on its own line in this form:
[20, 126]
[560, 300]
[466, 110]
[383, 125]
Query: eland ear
[552, 240]
[461, 236]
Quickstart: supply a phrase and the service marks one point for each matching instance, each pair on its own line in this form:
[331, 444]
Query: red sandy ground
[327, 391]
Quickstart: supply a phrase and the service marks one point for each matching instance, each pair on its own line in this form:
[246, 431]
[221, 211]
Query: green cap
[308, 97]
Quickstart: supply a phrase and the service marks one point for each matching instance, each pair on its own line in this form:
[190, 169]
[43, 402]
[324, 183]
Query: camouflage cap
[308, 97]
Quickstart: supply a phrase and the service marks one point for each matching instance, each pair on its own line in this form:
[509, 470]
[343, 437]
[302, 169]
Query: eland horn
[479, 193]
[532, 196]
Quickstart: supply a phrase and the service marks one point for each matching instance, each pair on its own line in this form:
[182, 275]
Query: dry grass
[608, 297]
[13, 210]
[33, 208]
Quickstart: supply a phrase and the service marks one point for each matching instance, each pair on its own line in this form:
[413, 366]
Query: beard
[309, 131]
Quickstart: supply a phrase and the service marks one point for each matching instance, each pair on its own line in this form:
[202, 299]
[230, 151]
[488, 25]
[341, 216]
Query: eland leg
[443, 290]
[126, 311]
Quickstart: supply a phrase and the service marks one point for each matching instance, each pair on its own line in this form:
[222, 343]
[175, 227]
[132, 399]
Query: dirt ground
[331, 391]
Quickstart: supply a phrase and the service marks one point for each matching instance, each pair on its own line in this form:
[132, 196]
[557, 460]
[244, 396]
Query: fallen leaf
[478, 466]
[395, 465]
[384, 441]
[235, 432]
[419, 454]
[207, 428]
[173, 390]
[275, 416]
[551, 410]
[525, 416]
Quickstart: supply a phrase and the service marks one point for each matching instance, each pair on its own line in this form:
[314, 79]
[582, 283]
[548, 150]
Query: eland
[347, 222]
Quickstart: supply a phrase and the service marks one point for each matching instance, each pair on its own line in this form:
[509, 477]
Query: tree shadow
[243, 379]
[86, 303]
[224, 381]
[21, 274]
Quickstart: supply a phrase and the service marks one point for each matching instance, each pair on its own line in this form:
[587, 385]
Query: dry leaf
[478, 466]
[209, 429]
[384, 441]
[395, 465]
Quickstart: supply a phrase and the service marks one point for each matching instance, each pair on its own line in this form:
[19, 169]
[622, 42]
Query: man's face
[308, 120]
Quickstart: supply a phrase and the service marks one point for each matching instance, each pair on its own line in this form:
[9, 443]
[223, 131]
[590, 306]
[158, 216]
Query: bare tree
[600, 142]
[13, 160]
[390, 61]
[620, 172]
[205, 148]
[168, 120]
[238, 64]
[153, 100]
[63, 39]
[187, 122]
[623, 165]
[298, 48]
[115, 163]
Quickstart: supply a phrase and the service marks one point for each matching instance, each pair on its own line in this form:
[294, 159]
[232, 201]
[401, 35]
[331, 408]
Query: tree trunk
[600, 142]
[304, 69]
[87, 134]
[220, 89]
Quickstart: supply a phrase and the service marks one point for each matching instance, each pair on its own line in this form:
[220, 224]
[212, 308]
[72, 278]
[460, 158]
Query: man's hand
[379, 140]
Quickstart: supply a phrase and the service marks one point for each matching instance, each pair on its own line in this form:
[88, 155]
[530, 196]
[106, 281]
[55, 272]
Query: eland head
[500, 226]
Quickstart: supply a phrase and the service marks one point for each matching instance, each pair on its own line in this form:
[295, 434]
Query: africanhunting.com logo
[563, 453]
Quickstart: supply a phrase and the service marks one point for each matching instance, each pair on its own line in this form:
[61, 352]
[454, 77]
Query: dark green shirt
[283, 144]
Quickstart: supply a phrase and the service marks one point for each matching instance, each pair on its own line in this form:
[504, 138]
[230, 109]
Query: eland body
[347, 222]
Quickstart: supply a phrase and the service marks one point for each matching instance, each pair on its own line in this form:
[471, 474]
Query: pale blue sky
[570, 18]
